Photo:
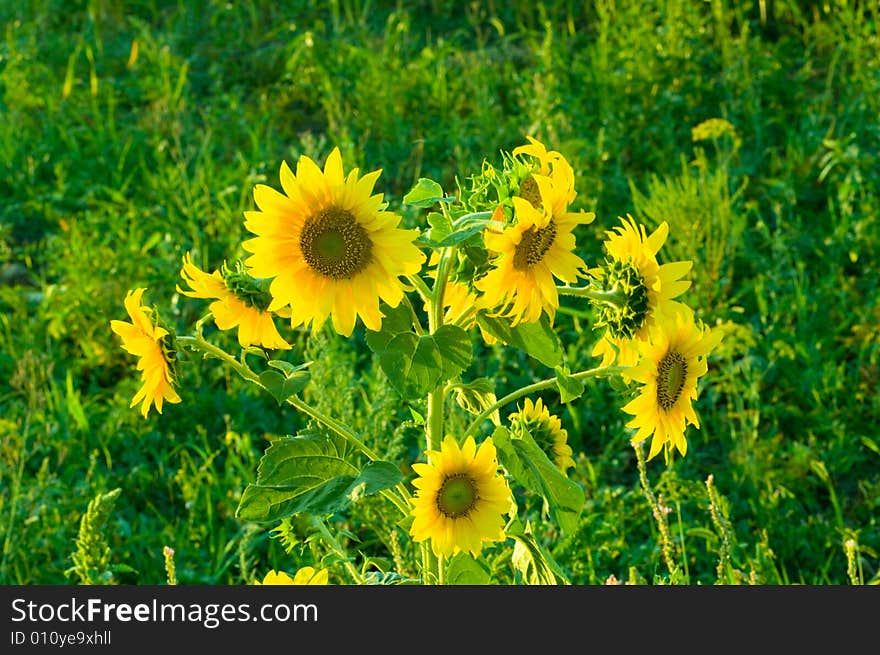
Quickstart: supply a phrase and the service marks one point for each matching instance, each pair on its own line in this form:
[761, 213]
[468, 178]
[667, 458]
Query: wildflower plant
[487, 264]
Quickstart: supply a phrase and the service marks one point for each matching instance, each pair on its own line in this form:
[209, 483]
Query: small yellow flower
[671, 361]
[461, 498]
[547, 431]
[240, 302]
[153, 344]
[307, 575]
[329, 246]
[632, 269]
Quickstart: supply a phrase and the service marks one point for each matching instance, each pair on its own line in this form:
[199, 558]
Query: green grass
[110, 172]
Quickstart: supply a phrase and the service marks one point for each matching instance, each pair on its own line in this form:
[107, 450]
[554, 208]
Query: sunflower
[539, 246]
[154, 345]
[461, 498]
[671, 362]
[633, 270]
[547, 431]
[305, 576]
[241, 302]
[329, 246]
[550, 164]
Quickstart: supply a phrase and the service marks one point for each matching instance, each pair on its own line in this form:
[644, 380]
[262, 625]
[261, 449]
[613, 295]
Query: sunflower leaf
[537, 339]
[569, 386]
[311, 473]
[463, 569]
[396, 321]
[529, 465]
[415, 364]
[456, 350]
[283, 387]
[425, 193]
[477, 395]
[532, 561]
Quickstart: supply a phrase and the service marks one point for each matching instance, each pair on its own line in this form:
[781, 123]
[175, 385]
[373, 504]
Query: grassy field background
[115, 161]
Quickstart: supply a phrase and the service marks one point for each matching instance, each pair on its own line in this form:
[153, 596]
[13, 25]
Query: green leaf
[569, 387]
[456, 350]
[448, 235]
[286, 367]
[397, 320]
[387, 578]
[531, 467]
[441, 226]
[462, 569]
[283, 387]
[416, 365]
[311, 473]
[413, 364]
[425, 193]
[532, 561]
[536, 339]
[476, 396]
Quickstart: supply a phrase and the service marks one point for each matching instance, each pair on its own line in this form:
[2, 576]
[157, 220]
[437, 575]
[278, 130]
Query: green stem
[417, 325]
[335, 545]
[199, 343]
[421, 287]
[612, 297]
[533, 388]
[665, 537]
[434, 421]
[461, 220]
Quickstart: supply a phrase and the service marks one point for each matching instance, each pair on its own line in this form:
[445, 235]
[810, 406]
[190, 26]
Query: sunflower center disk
[533, 245]
[529, 190]
[671, 374]
[335, 245]
[624, 322]
[457, 496]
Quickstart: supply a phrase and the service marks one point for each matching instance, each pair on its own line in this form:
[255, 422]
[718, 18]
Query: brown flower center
[529, 190]
[533, 245]
[457, 496]
[671, 374]
[334, 244]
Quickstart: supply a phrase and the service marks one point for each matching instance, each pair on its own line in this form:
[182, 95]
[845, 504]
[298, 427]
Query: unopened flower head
[547, 431]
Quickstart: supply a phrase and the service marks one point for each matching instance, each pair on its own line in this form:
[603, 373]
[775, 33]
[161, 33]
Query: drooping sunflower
[154, 345]
[632, 269]
[671, 361]
[528, 255]
[329, 246]
[307, 575]
[241, 301]
[461, 498]
[547, 431]
[550, 164]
